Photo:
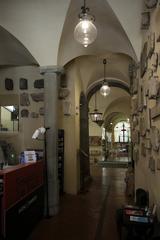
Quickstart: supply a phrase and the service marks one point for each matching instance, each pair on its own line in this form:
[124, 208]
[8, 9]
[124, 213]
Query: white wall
[128, 13]
[23, 139]
[37, 24]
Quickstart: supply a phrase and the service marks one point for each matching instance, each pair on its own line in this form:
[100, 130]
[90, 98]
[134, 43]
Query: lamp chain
[84, 8]
[95, 101]
[104, 62]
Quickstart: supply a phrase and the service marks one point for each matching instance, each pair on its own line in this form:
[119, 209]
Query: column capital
[51, 69]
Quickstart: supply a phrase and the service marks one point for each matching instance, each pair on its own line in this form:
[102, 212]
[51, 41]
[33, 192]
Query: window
[122, 132]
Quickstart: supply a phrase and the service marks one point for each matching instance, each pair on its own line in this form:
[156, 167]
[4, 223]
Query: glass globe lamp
[105, 89]
[85, 31]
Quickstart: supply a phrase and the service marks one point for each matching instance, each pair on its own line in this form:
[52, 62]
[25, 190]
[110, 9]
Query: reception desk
[21, 199]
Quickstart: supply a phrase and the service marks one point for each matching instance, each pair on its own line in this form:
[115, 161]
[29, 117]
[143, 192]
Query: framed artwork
[95, 140]
[143, 61]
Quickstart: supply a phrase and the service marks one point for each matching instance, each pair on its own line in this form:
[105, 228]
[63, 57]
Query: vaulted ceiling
[41, 33]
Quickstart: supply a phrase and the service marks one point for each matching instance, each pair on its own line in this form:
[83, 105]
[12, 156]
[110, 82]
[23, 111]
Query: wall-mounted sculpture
[155, 138]
[37, 97]
[152, 165]
[151, 3]
[24, 99]
[39, 83]
[34, 115]
[145, 21]
[142, 126]
[23, 83]
[148, 143]
[9, 84]
[41, 111]
[155, 111]
[63, 93]
[135, 154]
[151, 44]
[134, 121]
[135, 104]
[135, 137]
[154, 87]
[143, 61]
[143, 149]
[154, 61]
[24, 113]
[158, 163]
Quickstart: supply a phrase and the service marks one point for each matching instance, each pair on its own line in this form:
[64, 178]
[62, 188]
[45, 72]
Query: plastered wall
[145, 111]
[22, 139]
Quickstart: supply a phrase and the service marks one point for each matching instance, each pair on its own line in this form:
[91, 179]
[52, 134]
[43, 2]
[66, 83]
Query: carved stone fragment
[135, 154]
[155, 138]
[150, 3]
[135, 137]
[145, 22]
[39, 83]
[34, 115]
[152, 164]
[143, 149]
[23, 83]
[155, 111]
[41, 111]
[24, 99]
[154, 86]
[134, 104]
[37, 97]
[24, 113]
[151, 44]
[148, 143]
[154, 62]
[63, 93]
[9, 84]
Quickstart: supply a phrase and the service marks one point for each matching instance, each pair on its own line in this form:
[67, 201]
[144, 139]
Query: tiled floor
[87, 216]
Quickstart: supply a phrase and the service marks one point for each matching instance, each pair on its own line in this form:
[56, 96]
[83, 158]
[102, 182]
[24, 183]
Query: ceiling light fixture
[95, 115]
[105, 89]
[85, 31]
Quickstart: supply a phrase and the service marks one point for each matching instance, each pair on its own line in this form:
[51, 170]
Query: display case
[61, 160]
[21, 199]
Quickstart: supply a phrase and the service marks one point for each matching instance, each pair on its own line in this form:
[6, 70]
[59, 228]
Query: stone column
[51, 74]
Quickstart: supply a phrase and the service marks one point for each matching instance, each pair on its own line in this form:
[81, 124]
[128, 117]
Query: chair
[142, 198]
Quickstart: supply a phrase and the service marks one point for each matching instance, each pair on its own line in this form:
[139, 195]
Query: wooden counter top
[15, 167]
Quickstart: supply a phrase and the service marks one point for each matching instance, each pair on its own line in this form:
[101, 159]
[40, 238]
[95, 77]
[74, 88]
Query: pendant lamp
[105, 89]
[96, 116]
[85, 31]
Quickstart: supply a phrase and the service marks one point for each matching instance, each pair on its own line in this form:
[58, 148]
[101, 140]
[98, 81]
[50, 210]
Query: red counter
[21, 184]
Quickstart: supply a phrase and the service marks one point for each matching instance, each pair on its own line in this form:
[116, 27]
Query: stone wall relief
[154, 87]
[9, 85]
[151, 44]
[23, 84]
[145, 20]
[155, 138]
[150, 4]
[152, 164]
[154, 62]
[143, 60]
